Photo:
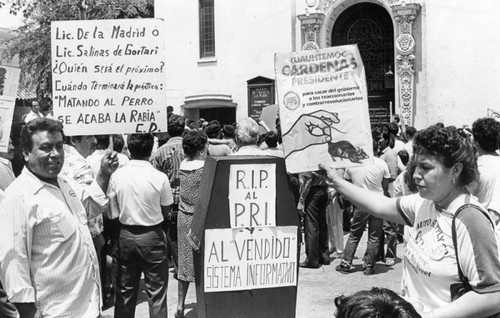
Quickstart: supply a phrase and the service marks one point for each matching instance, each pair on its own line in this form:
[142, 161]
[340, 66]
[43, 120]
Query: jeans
[360, 219]
[316, 231]
[142, 250]
[389, 235]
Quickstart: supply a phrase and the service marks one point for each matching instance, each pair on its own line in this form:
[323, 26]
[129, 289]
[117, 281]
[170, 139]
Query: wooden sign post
[247, 228]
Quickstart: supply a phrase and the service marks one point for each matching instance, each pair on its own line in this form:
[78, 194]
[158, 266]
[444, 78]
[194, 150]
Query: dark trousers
[7, 309]
[142, 250]
[170, 228]
[389, 235]
[359, 221]
[316, 230]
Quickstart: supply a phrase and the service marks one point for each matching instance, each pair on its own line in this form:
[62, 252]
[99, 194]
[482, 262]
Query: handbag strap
[474, 207]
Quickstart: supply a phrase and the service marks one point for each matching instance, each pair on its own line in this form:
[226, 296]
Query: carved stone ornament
[405, 15]
[311, 25]
[405, 43]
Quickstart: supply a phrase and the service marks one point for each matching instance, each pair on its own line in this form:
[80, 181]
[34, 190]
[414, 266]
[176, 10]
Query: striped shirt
[168, 160]
[430, 265]
[6, 173]
[47, 256]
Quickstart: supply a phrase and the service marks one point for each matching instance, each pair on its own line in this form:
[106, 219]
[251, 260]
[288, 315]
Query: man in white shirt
[48, 264]
[6, 173]
[374, 177]
[34, 113]
[140, 196]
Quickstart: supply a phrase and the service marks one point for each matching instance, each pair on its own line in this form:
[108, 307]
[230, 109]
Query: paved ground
[317, 288]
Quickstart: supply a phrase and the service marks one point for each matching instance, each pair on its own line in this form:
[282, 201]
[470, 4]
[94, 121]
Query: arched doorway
[371, 27]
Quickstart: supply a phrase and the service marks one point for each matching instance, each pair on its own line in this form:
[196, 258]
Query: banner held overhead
[108, 76]
[323, 108]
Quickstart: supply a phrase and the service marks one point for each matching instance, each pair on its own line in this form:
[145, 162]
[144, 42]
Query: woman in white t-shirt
[446, 164]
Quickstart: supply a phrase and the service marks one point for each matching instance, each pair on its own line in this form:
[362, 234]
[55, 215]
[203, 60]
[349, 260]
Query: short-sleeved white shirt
[369, 176]
[488, 189]
[430, 265]
[138, 190]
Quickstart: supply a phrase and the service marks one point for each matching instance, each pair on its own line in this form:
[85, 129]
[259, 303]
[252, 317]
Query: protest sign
[252, 195]
[245, 259]
[9, 81]
[108, 76]
[323, 108]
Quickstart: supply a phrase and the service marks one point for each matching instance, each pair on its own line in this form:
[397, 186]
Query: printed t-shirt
[429, 260]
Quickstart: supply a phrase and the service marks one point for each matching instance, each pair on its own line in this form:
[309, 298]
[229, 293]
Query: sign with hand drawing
[323, 106]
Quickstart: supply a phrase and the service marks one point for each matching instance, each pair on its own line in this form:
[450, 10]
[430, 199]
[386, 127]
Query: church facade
[427, 61]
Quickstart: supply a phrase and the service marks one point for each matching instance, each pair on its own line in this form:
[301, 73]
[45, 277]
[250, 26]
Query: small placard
[252, 195]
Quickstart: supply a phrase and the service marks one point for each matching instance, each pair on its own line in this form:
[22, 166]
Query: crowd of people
[82, 222]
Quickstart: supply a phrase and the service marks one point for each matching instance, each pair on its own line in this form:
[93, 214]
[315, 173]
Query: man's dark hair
[212, 130]
[102, 142]
[410, 132]
[486, 132]
[118, 143]
[163, 137]
[193, 142]
[271, 139]
[175, 125]
[404, 156]
[170, 109]
[140, 145]
[228, 131]
[39, 124]
[377, 302]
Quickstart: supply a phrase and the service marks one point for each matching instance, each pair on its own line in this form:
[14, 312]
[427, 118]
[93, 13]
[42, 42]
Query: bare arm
[471, 304]
[372, 202]
[109, 164]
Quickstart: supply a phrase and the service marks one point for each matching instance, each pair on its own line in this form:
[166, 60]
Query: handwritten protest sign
[252, 195]
[323, 108]
[108, 76]
[242, 259]
[9, 81]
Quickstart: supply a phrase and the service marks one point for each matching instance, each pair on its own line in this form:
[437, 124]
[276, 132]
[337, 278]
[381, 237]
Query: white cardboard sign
[108, 76]
[252, 195]
[323, 107]
[9, 82]
[242, 259]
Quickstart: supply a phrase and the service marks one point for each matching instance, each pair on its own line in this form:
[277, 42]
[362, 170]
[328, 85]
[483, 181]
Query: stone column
[310, 24]
[405, 15]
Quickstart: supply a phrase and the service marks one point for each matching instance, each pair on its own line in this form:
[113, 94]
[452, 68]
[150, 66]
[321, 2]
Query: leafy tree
[32, 43]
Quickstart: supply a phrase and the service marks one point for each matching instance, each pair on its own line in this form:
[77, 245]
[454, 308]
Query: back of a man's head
[176, 125]
[36, 125]
[102, 142]
[271, 139]
[247, 132]
[140, 145]
[228, 131]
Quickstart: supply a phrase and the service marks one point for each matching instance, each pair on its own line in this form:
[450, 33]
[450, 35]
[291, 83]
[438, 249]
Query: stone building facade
[428, 61]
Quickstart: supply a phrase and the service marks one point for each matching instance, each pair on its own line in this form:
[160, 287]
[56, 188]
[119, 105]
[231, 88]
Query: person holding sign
[195, 146]
[140, 196]
[48, 264]
[446, 164]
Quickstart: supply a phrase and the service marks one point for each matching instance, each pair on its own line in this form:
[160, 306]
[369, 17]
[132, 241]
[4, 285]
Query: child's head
[374, 303]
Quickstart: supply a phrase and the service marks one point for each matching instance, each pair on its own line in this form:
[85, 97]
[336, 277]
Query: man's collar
[36, 183]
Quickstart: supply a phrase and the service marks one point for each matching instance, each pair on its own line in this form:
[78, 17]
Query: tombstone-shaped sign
[247, 230]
